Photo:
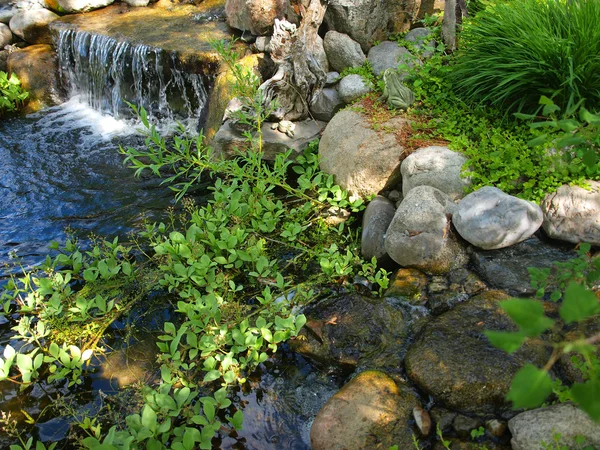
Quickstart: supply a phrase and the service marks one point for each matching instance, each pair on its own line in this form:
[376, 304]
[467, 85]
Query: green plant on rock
[531, 385]
[12, 94]
[513, 52]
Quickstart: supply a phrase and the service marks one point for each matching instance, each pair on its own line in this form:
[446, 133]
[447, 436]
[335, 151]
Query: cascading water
[107, 74]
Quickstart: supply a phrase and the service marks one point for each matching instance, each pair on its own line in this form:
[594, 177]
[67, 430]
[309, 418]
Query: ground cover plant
[12, 94]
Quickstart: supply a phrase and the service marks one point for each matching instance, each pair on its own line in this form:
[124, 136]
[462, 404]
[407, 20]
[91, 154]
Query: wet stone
[464, 424]
[409, 284]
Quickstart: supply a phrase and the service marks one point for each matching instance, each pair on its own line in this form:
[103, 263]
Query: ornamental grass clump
[514, 51]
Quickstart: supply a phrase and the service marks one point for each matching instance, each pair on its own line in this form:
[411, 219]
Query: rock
[422, 420]
[463, 425]
[137, 3]
[490, 219]
[453, 361]
[363, 161]
[395, 196]
[370, 412]
[4, 60]
[353, 87]
[32, 26]
[368, 21]
[389, 55]
[530, 428]
[326, 104]
[438, 167]
[456, 444]
[352, 330]
[6, 36]
[77, 6]
[7, 14]
[37, 68]
[496, 428]
[442, 418]
[507, 268]
[420, 234]
[421, 38]
[376, 219]
[342, 52]
[257, 16]
[409, 284]
[441, 302]
[263, 43]
[572, 213]
[228, 139]
[332, 78]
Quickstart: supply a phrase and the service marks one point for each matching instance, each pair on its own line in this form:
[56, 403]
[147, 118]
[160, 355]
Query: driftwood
[301, 63]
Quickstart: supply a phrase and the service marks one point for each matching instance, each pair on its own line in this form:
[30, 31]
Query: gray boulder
[531, 428]
[421, 38]
[342, 52]
[32, 25]
[370, 412]
[453, 361]
[6, 36]
[363, 161]
[490, 219]
[389, 55]
[353, 87]
[77, 6]
[438, 167]
[420, 234]
[572, 214]
[7, 14]
[228, 139]
[327, 103]
[376, 220]
[332, 78]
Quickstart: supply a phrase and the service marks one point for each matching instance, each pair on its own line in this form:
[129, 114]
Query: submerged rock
[32, 26]
[376, 219]
[420, 235]
[409, 284]
[531, 429]
[363, 161]
[490, 219]
[371, 412]
[453, 361]
[353, 330]
[572, 214]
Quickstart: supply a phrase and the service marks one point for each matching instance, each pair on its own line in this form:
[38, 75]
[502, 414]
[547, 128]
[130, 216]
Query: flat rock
[389, 55]
[507, 268]
[438, 167]
[32, 25]
[530, 428]
[376, 219]
[371, 412]
[490, 219]
[363, 161]
[228, 139]
[420, 234]
[572, 213]
[326, 104]
[352, 87]
[453, 361]
[350, 331]
[342, 52]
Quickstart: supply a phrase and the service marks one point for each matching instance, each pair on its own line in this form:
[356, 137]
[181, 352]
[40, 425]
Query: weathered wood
[302, 65]
[449, 25]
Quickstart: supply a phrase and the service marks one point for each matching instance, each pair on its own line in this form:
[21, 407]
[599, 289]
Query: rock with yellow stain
[407, 283]
[370, 412]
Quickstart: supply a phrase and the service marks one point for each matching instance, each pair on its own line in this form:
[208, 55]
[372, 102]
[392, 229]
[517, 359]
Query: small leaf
[578, 303]
[507, 341]
[212, 376]
[528, 315]
[587, 395]
[530, 387]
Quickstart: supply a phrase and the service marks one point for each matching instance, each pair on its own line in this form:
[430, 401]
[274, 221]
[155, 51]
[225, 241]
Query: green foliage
[513, 52]
[531, 385]
[12, 94]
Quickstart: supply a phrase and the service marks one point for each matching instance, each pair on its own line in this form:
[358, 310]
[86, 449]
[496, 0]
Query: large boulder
[453, 361]
[506, 268]
[422, 39]
[6, 36]
[572, 213]
[326, 104]
[352, 87]
[77, 6]
[349, 331]
[37, 68]
[573, 427]
[371, 412]
[490, 219]
[364, 161]
[368, 21]
[420, 234]
[32, 25]
[389, 55]
[257, 16]
[438, 167]
[342, 52]
[229, 140]
[376, 220]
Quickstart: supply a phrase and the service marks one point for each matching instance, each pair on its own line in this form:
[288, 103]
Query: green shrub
[513, 52]
[12, 94]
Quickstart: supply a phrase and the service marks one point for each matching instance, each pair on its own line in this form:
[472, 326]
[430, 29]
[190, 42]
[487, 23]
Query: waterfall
[107, 74]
